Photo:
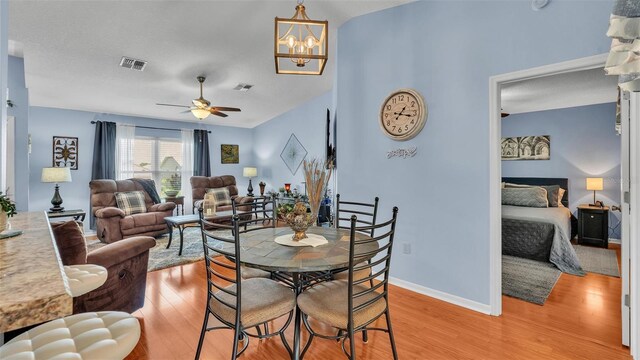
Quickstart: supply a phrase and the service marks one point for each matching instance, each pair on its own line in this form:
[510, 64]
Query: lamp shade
[595, 184]
[56, 174]
[249, 172]
[200, 113]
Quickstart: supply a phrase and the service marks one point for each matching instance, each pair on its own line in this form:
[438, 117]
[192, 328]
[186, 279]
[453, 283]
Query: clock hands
[400, 113]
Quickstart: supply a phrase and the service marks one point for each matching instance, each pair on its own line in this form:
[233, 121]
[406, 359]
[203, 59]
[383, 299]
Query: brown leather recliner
[126, 263]
[112, 224]
[200, 184]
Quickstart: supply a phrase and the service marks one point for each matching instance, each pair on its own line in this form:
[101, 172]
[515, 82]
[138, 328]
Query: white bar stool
[84, 278]
[107, 335]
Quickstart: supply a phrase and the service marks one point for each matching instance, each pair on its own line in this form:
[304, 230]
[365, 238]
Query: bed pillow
[525, 196]
[131, 202]
[560, 196]
[552, 191]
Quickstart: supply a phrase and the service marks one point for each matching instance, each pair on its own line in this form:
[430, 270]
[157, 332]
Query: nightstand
[593, 225]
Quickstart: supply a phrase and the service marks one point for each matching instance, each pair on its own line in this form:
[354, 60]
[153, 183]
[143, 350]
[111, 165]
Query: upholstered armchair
[126, 262]
[200, 185]
[112, 224]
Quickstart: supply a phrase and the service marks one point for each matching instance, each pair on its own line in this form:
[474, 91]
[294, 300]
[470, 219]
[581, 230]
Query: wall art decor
[526, 148]
[65, 152]
[403, 153]
[230, 154]
[293, 154]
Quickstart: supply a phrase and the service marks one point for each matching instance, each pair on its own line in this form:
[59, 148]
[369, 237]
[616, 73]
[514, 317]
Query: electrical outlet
[406, 248]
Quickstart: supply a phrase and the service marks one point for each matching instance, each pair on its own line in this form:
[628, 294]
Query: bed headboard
[563, 182]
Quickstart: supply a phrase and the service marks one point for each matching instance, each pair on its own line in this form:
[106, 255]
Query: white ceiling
[72, 50]
[578, 88]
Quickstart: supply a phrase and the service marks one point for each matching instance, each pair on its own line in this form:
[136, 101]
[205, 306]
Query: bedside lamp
[595, 184]
[56, 175]
[250, 172]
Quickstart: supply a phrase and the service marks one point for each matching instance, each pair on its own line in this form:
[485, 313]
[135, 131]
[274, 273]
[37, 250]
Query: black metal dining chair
[258, 214]
[349, 305]
[366, 217]
[238, 304]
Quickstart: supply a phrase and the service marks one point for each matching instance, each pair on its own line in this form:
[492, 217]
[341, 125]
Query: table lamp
[56, 175]
[595, 184]
[250, 172]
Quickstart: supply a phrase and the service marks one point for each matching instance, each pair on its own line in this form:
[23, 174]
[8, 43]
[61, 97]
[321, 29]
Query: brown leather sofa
[112, 224]
[126, 263]
[200, 184]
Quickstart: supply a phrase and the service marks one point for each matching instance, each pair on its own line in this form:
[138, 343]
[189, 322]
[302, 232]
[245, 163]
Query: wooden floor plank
[581, 320]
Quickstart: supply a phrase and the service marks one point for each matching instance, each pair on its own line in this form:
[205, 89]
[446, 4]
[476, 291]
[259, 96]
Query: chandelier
[300, 44]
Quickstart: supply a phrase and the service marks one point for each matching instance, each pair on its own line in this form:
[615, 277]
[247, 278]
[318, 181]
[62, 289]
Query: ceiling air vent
[131, 63]
[243, 87]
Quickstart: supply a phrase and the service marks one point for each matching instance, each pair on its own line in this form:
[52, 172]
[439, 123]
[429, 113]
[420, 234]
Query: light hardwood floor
[579, 321]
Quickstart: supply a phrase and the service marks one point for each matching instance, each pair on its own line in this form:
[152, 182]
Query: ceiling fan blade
[186, 111]
[223, 108]
[218, 113]
[184, 106]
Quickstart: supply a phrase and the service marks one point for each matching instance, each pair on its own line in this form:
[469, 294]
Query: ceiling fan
[201, 107]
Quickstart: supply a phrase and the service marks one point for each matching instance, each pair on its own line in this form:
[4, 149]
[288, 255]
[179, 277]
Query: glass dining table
[303, 264]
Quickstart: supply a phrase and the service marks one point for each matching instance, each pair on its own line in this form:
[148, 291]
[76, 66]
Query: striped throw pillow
[221, 196]
[131, 202]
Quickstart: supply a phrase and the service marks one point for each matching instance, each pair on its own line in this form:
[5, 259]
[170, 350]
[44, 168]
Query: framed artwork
[230, 154]
[65, 152]
[293, 154]
[526, 148]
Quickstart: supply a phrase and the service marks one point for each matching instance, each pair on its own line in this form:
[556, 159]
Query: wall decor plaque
[293, 154]
[65, 152]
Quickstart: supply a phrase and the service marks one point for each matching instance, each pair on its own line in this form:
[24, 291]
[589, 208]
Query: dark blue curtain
[201, 159]
[104, 155]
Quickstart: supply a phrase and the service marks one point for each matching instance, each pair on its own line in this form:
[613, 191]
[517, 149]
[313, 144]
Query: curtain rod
[157, 128]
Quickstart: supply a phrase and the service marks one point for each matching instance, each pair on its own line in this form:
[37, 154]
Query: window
[159, 159]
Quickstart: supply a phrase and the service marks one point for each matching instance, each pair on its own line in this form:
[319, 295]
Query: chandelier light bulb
[291, 41]
[310, 41]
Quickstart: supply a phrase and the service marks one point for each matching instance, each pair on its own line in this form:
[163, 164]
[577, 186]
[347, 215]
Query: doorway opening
[538, 149]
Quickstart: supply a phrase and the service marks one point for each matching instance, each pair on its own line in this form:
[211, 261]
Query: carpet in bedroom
[528, 280]
[597, 260]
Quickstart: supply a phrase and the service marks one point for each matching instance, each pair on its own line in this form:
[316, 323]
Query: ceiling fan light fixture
[301, 44]
[200, 113]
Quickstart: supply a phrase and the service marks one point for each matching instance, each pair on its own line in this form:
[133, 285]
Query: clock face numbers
[402, 115]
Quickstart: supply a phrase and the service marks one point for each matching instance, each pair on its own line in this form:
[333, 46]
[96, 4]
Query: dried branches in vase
[316, 175]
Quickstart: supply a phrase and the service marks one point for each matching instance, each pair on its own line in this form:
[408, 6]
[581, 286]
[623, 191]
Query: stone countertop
[33, 288]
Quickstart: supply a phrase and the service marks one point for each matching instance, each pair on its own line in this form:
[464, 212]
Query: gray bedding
[540, 234]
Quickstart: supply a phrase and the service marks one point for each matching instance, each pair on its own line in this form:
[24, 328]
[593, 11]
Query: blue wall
[583, 144]
[447, 50]
[19, 96]
[47, 122]
[308, 123]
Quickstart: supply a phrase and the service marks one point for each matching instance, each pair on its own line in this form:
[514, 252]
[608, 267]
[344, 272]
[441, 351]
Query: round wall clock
[403, 114]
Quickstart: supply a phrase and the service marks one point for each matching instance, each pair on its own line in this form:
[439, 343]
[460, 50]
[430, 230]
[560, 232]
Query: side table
[75, 214]
[593, 225]
[179, 201]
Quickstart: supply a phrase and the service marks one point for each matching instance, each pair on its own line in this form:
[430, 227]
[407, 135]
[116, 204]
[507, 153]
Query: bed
[542, 234]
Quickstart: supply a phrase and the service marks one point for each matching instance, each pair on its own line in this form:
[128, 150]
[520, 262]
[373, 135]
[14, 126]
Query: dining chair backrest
[222, 259]
[365, 213]
[256, 215]
[377, 261]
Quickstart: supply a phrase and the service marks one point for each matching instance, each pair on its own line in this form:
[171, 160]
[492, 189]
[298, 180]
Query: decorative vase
[262, 186]
[299, 221]
[3, 221]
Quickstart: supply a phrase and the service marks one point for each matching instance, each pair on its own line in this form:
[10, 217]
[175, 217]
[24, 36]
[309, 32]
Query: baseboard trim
[440, 295]
[615, 241]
